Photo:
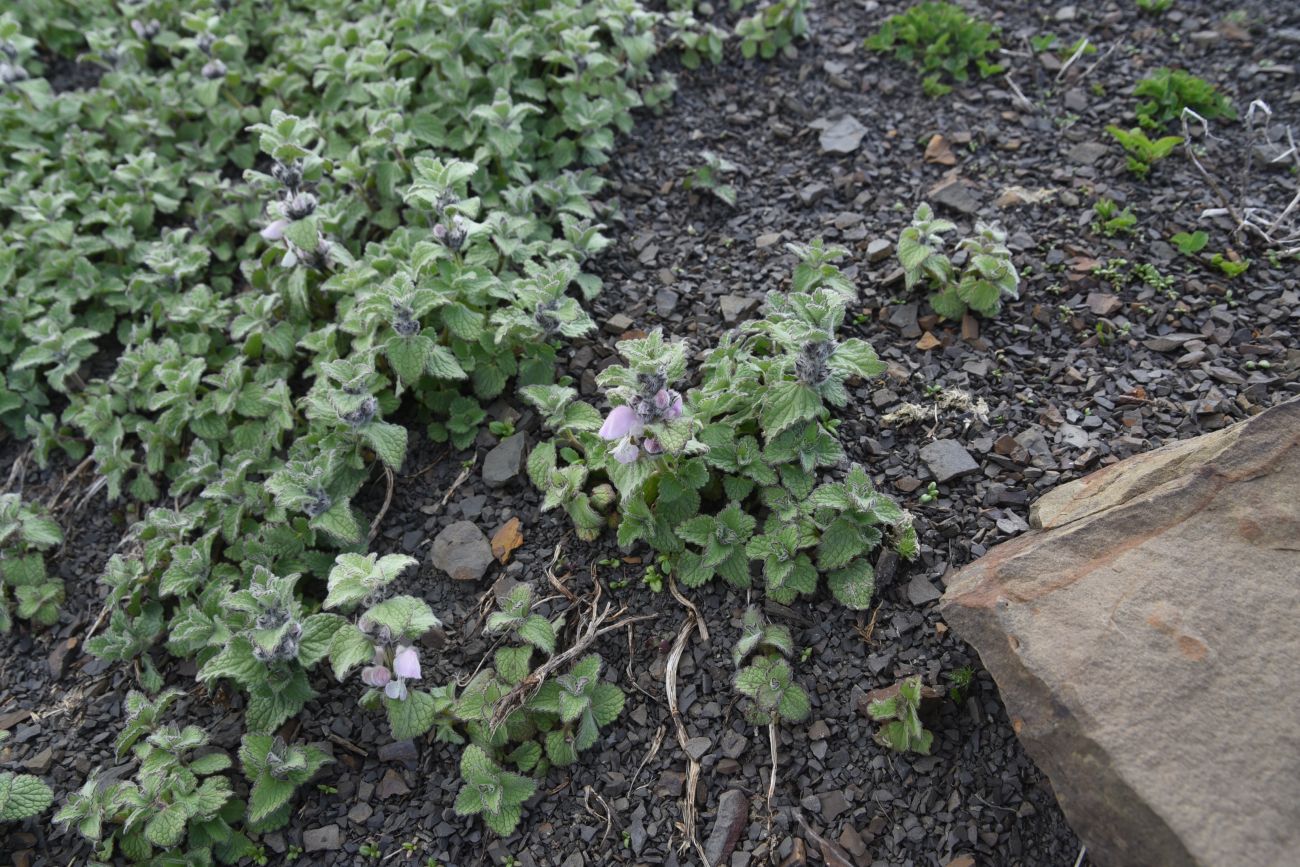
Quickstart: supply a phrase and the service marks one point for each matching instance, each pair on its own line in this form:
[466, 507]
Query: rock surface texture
[1144, 639]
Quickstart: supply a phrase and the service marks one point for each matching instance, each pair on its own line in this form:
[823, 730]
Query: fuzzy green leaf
[412, 716]
[22, 796]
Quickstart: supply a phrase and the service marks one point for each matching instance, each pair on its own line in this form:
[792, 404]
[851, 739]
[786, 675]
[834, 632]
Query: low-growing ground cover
[1083, 368]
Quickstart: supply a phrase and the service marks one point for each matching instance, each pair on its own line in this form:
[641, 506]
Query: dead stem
[687, 824]
[655, 744]
[771, 780]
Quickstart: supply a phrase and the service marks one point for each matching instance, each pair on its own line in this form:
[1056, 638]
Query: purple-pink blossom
[377, 676]
[275, 231]
[626, 452]
[622, 421]
[407, 663]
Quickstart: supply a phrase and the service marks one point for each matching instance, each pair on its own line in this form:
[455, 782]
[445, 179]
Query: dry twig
[598, 621]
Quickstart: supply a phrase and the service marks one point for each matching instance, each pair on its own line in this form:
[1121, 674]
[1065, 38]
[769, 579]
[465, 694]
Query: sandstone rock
[1144, 642]
[462, 551]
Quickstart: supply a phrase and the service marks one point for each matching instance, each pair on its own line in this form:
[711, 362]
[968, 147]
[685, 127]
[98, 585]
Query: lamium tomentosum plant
[987, 278]
[725, 475]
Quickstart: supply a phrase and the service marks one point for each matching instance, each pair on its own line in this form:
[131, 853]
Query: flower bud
[363, 414]
[603, 496]
[301, 205]
[214, 69]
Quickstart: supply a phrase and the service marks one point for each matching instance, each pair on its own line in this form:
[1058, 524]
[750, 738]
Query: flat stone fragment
[1086, 153]
[844, 136]
[392, 786]
[879, 249]
[733, 816]
[920, 590]
[324, 839]
[462, 551]
[1143, 638]
[735, 307]
[947, 459]
[504, 463]
[958, 196]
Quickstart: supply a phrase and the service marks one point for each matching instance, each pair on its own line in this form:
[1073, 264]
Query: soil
[1076, 375]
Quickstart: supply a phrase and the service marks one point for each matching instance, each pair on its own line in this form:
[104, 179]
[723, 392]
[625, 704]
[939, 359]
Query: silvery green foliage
[276, 769]
[724, 481]
[902, 729]
[383, 639]
[25, 530]
[987, 277]
[492, 792]
[382, 243]
[22, 795]
[177, 809]
[265, 643]
[768, 681]
[289, 222]
[553, 725]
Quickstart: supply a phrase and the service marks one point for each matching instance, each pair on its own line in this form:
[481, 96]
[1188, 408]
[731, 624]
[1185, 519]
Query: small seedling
[1111, 220]
[930, 494]
[1231, 268]
[502, 429]
[709, 177]
[902, 730]
[1155, 7]
[369, 850]
[1190, 243]
[1168, 92]
[653, 579]
[960, 679]
[1142, 151]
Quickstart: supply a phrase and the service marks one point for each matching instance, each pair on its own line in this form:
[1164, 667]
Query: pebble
[879, 249]
[920, 590]
[731, 819]
[504, 463]
[462, 551]
[618, 323]
[399, 751]
[958, 196]
[325, 839]
[1086, 153]
[947, 460]
[843, 136]
[392, 785]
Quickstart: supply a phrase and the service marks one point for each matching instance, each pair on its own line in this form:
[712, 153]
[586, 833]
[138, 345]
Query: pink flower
[377, 676]
[407, 663]
[275, 231]
[626, 452]
[651, 446]
[621, 422]
[396, 690]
